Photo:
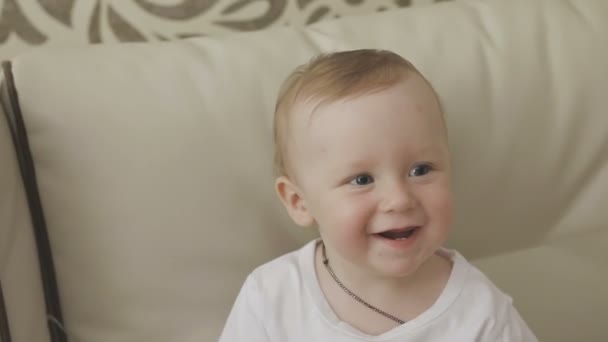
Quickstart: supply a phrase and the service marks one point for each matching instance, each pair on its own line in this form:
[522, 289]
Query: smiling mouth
[398, 234]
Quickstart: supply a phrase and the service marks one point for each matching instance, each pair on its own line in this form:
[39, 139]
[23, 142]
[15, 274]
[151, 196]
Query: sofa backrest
[153, 162]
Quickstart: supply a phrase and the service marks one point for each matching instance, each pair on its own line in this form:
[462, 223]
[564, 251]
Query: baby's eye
[363, 179]
[420, 170]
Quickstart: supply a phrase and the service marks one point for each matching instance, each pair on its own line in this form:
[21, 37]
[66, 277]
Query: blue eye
[420, 170]
[363, 179]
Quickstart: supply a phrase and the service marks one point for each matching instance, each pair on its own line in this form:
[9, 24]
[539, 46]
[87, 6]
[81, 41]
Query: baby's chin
[407, 267]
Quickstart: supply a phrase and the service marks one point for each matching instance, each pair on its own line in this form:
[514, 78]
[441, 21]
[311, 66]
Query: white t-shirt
[282, 301]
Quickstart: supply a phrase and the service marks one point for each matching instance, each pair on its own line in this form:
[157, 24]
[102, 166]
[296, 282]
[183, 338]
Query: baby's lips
[398, 230]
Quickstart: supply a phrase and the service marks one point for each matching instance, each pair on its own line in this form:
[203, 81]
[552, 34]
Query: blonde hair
[332, 77]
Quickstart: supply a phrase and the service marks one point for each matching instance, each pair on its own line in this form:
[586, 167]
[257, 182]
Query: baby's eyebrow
[351, 166]
[433, 148]
[357, 164]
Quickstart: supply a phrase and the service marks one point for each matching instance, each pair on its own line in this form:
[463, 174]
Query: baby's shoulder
[285, 273]
[478, 293]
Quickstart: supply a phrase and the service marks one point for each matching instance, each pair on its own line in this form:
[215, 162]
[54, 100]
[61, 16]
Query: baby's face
[371, 168]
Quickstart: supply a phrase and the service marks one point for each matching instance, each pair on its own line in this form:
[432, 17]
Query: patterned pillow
[24, 24]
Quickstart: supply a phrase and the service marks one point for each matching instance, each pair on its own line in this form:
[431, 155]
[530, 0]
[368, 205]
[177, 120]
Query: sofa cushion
[559, 285]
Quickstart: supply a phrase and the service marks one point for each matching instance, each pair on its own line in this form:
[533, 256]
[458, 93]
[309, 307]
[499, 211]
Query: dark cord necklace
[354, 296]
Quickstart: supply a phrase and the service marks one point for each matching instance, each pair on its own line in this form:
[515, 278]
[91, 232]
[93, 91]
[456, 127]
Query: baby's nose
[397, 198]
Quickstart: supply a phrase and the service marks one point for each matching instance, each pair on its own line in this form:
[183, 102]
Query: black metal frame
[5, 331]
[18, 131]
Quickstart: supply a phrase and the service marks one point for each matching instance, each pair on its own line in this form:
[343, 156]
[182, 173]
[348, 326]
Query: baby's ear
[293, 201]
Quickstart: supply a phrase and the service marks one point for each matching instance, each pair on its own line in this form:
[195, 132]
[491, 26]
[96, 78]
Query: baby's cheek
[355, 215]
[444, 208]
[352, 224]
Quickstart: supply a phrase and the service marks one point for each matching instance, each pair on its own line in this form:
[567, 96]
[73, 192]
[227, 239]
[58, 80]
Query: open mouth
[398, 234]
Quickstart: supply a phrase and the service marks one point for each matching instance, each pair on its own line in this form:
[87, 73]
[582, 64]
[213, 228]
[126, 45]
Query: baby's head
[361, 151]
[333, 77]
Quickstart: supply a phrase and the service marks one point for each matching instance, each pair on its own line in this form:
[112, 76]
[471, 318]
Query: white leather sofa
[136, 185]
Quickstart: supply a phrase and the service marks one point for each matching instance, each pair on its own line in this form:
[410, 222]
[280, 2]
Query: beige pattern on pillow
[29, 23]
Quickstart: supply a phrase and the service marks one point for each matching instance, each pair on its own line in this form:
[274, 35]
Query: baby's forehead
[419, 94]
[318, 126]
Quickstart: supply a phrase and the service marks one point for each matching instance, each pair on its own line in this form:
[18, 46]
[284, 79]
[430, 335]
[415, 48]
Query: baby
[362, 154]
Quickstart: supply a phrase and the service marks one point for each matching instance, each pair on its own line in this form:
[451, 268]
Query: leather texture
[154, 165]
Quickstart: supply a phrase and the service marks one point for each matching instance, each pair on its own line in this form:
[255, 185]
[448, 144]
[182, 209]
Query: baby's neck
[405, 297]
[365, 281]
